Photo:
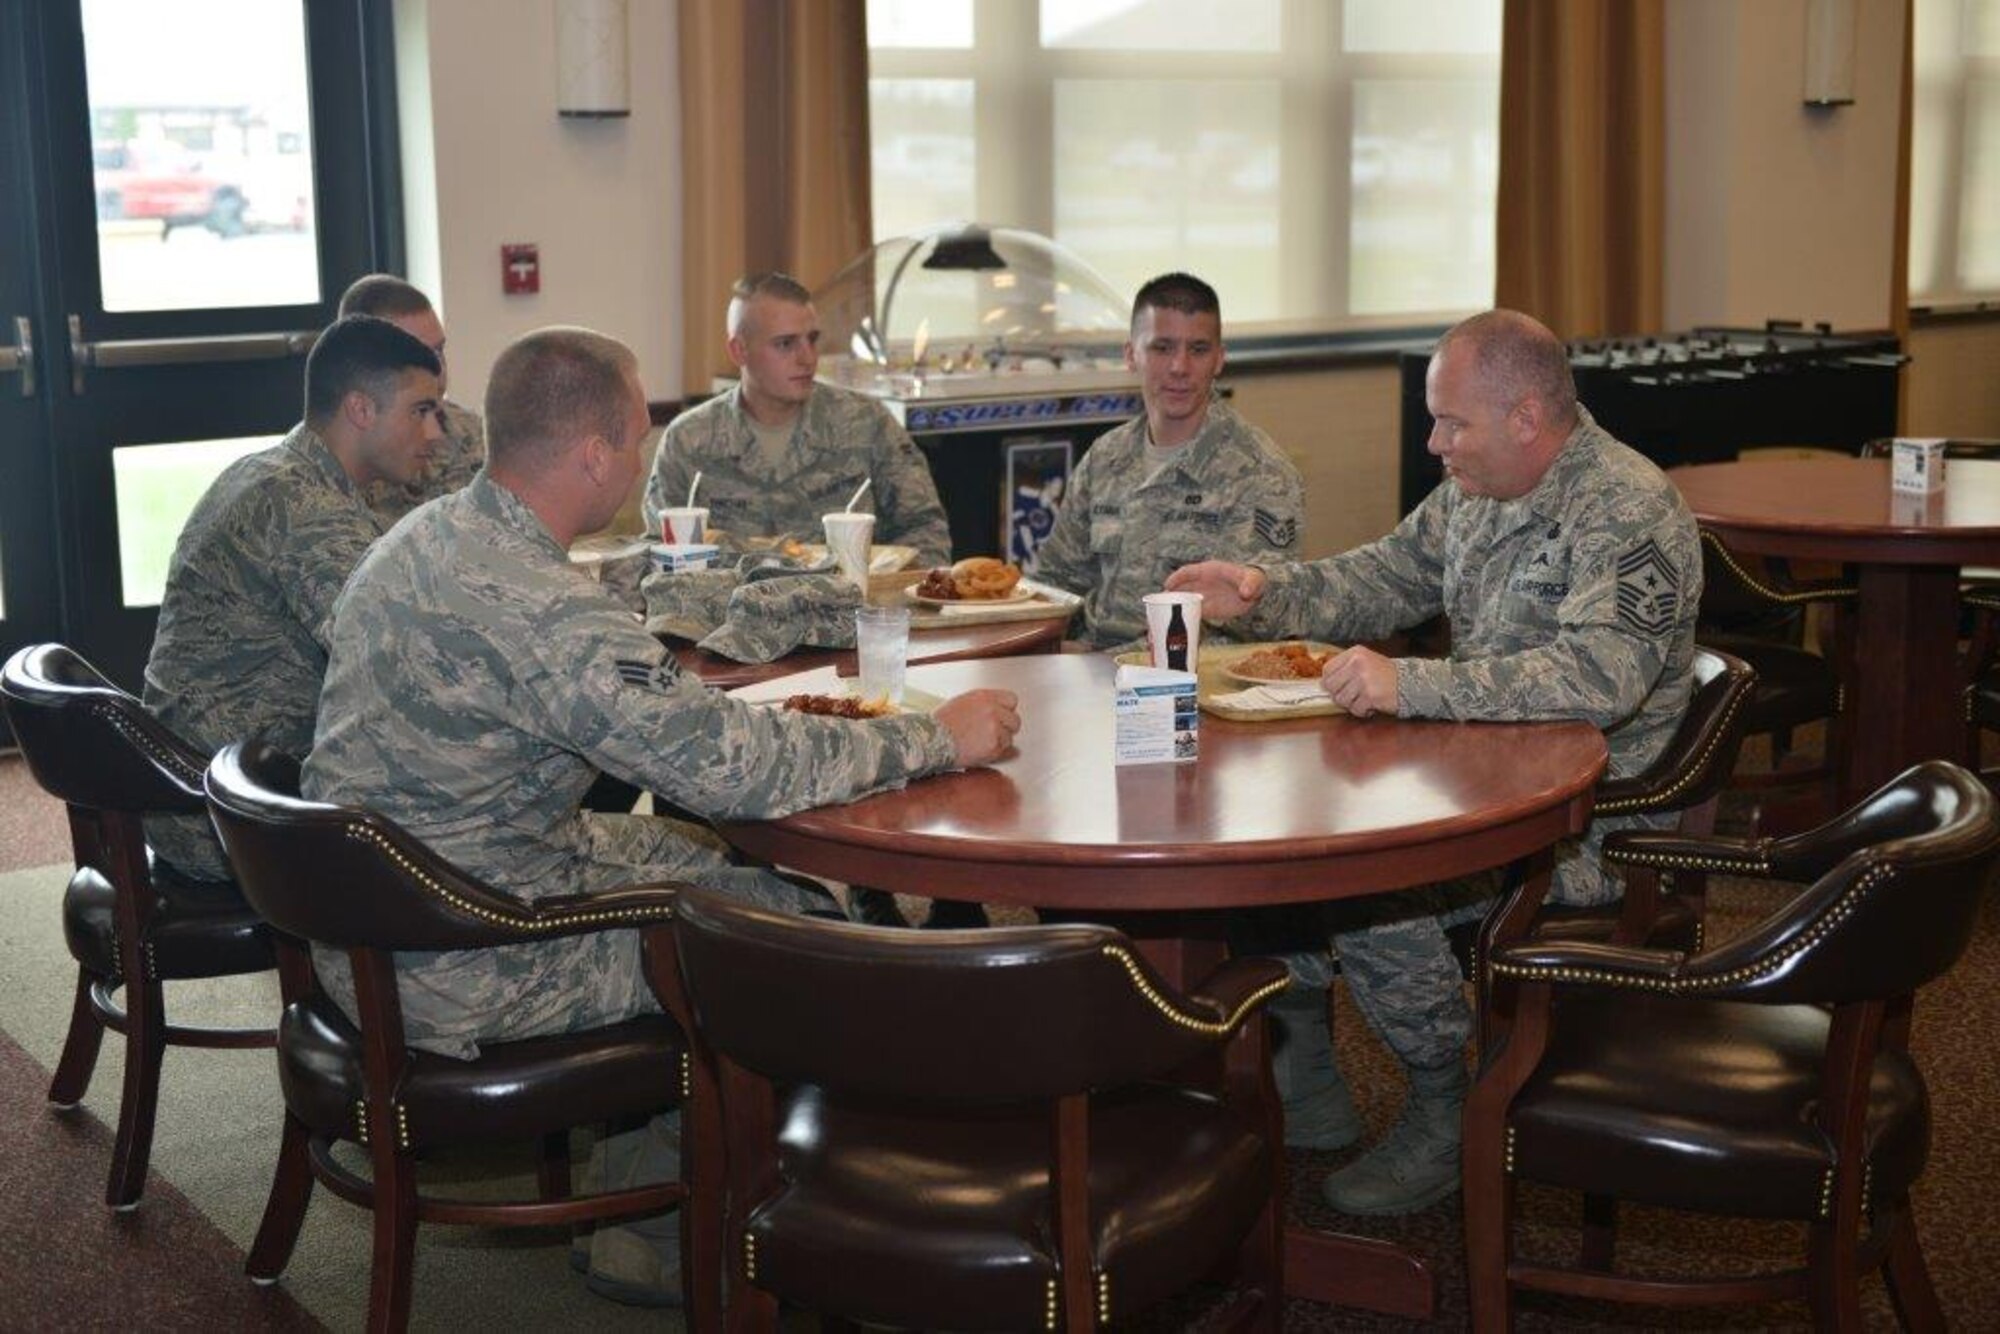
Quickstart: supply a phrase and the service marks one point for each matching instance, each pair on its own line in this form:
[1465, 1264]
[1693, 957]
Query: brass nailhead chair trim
[1833, 916]
[1766, 591]
[1680, 861]
[517, 921]
[361, 1121]
[749, 1256]
[1103, 1298]
[1665, 799]
[160, 755]
[1051, 1307]
[1207, 1027]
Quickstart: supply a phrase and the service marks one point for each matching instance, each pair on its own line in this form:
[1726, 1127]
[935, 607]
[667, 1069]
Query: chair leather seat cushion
[200, 928]
[1703, 1105]
[512, 1090]
[1794, 685]
[945, 1220]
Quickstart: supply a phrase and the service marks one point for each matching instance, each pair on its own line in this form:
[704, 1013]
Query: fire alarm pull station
[520, 268]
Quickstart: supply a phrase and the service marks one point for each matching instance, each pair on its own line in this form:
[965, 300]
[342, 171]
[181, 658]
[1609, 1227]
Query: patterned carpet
[177, 1270]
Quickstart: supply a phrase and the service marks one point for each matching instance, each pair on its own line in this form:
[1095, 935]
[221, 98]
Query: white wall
[1775, 210]
[487, 161]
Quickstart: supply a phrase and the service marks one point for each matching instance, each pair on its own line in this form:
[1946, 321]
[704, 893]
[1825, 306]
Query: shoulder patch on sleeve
[1649, 594]
[1274, 530]
[656, 677]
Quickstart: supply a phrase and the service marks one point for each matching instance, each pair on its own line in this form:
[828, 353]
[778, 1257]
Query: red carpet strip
[67, 1262]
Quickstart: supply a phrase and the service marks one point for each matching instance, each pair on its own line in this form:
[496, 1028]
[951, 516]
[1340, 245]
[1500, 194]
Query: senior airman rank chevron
[658, 677]
[1274, 530]
[1648, 594]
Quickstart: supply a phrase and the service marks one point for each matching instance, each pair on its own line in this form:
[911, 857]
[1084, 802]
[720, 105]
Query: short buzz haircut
[778, 286]
[364, 353]
[1516, 357]
[384, 295]
[551, 388]
[1177, 291]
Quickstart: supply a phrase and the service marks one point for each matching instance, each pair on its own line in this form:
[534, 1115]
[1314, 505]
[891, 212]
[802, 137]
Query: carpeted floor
[179, 1256]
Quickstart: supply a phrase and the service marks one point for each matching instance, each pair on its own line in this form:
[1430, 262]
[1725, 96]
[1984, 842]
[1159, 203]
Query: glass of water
[882, 642]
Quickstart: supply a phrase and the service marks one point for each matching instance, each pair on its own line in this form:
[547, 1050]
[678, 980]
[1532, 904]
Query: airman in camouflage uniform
[241, 639]
[818, 443]
[1570, 570]
[462, 451]
[1188, 480]
[477, 681]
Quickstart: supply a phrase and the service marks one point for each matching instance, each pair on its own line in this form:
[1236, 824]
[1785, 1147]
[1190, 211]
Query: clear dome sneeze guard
[971, 311]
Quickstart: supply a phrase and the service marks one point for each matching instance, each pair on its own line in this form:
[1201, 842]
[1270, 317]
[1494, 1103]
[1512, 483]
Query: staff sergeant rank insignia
[1648, 596]
[1274, 530]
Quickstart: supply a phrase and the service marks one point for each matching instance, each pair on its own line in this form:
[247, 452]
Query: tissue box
[677, 556]
[1917, 465]
[1157, 716]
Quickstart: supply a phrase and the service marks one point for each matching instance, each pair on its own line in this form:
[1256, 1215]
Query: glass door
[207, 176]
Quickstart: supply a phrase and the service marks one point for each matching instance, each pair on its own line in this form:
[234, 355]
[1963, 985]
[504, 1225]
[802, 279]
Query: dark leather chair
[1769, 1077]
[1057, 1173]
[1754, 610]
[1688, 777]
[348, 879]
[131, 923]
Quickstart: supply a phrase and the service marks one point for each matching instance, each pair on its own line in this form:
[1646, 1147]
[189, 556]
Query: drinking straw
[859, 491]
[691, 487]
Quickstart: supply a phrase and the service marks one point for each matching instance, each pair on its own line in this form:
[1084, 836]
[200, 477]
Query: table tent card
[1158, 718]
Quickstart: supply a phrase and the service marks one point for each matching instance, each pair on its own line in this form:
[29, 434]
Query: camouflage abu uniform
[477, 683]
[460, 454]
[841, 438]
[1575, 601]
[1228, 494]
[241, 642]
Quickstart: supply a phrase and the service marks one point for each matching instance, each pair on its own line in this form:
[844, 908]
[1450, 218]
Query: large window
[1325, 163]
[1955, 153]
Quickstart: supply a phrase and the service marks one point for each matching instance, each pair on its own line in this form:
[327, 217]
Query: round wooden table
[1906, 550]
[949, 644]
[1272, 812]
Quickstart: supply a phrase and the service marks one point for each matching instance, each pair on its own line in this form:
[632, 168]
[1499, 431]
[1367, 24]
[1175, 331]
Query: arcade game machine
[1000, 352]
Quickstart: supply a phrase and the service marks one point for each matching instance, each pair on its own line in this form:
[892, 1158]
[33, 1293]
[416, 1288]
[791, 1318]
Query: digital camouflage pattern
[1575, 601]
[753, 607]
[477, 683]
[241, 643]
[841, 439]
[460, 454]
[1229, 494]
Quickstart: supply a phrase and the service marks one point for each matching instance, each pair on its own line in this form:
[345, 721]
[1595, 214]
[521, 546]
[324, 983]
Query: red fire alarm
[520, 268]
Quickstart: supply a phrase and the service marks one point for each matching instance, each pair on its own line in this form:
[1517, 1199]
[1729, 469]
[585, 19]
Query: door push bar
[116, 355]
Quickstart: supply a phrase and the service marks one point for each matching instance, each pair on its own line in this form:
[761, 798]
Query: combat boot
[1417, 1162]
[1319, 1113]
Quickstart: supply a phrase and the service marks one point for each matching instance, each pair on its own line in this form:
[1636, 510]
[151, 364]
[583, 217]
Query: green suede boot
[1417, 1162]
[1319, 1113]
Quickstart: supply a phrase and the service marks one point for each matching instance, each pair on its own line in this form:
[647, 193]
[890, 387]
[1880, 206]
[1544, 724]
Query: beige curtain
[1899, 266]
[1582, 164]
[774, 153]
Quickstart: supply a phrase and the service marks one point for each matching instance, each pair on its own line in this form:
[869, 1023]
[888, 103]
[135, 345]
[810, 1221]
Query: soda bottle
[1177, 641]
